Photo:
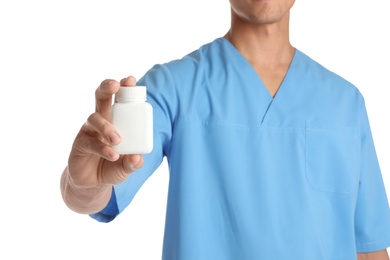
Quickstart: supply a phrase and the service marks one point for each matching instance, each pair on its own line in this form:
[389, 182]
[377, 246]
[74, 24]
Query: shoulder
[186, 70]
[324, 81]
[197, 59]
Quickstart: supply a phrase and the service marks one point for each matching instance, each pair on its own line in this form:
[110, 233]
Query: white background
[53, 55]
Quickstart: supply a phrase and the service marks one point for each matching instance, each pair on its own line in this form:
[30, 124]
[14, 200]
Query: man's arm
[378, 255]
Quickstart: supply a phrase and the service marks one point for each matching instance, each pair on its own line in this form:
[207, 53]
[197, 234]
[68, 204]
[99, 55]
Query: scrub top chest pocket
[332, 157]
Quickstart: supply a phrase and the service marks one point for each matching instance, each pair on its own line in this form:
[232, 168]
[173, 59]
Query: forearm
[378, 255]
[84, 200]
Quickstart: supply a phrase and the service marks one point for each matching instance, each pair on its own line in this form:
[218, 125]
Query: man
[270, 154]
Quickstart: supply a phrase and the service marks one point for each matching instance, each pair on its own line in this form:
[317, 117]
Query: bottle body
[134, 122]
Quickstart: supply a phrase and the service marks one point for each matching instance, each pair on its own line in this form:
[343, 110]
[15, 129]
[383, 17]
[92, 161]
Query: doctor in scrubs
[270, 154]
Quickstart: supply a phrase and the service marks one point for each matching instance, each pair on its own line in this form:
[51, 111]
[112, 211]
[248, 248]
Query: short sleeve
[109, 212]
[372, 215]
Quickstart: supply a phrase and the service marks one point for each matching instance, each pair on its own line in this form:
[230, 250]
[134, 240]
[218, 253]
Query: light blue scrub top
[255, 177]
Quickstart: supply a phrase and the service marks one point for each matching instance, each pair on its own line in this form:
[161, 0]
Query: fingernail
[135, 165]
[114, 138]
[113, 156]
[110, 82]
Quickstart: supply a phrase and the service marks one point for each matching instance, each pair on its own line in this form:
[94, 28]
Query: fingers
[97, 123]
[89, 142]
[103, 97]
[93, 160]
[129, 81]
[104, 92]
[132, 162]
[100, 136]
[119, 171]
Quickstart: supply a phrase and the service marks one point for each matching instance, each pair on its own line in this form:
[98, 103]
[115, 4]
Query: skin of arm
[84, 200]
[377, 255]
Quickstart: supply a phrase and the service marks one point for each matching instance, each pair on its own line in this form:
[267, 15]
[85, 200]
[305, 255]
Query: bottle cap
[137, 93]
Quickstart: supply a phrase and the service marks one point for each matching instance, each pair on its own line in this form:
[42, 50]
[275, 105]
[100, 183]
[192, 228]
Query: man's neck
[264, 45]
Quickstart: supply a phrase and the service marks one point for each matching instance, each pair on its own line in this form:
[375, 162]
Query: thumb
[118, 171]
[132, 162]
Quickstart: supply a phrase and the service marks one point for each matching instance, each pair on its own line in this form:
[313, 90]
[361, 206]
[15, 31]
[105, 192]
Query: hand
[92, 161]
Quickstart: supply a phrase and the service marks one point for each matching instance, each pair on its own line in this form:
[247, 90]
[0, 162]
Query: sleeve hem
[365, 247]
[109, 213]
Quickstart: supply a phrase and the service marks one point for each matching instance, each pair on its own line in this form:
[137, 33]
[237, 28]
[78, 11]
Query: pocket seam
[332, 184]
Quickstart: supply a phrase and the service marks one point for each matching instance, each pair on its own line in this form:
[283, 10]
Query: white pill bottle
[132, 117]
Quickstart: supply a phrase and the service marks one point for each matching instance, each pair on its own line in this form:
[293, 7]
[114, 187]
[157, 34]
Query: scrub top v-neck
[265, 96]
[256, 177]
